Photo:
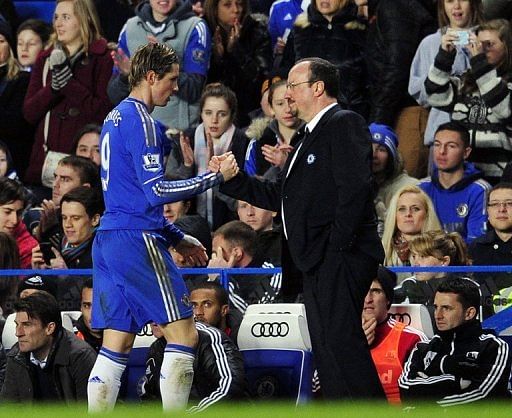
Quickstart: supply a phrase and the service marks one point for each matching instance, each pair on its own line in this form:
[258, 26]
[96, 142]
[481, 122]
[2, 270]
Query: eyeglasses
[291, 86]
[498, 205]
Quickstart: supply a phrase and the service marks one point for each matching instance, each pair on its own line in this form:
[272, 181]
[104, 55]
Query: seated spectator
[219, 373]
[173, 23]
[480, 98]
[495, 246]
[70, 173]
[272, 146]
[432, 248]
[15, 131]
[331, 30]
[87, 143]
[214, 136]
[456, 187]
[210, 303]
[390, 341]
[9, 259]
[461, 363]
[268, 244]
[6, 164]
[234, 246]
[68, 84]
[12, 203]
[410, 213]
[241, 52]
[48, 363]
[33, 283]
[387, 168]
[456, 16]
[81, 211]
[32, 37]
[82, 326]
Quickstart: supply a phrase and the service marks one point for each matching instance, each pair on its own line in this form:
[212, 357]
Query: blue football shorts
[135, 282]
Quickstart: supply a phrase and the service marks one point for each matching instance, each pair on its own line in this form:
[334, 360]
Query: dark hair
[455, 127]
[323, 70]
[240, 234]
[90, 127]
[40, 27]
[87, 284]
[41, 305]
[210, 8]
[467, 291]
[88, 197]
[9, 252]
[10, 191]
[504, 185]
[151, 57]
[5, 148]
[220, 293]
[387, 279]
[87, 171]
[221, 91]
[477, 14]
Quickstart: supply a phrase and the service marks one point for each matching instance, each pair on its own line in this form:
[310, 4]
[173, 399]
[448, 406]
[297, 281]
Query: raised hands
[276, 155]
[121, 61]
[186, 150]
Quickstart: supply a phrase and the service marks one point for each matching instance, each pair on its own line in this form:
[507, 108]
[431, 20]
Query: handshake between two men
[225, 164]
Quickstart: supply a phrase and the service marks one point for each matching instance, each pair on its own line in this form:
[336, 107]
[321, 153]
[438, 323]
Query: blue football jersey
[132, 171]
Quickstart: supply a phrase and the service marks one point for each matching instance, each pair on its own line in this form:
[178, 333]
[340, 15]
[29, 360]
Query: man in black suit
[325, 196]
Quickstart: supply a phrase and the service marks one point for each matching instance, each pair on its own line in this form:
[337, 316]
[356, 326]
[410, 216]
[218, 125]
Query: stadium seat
[415, 315]
[35, 9]
[279, 374]
[275, 342]
[9, 332]
[279, 325]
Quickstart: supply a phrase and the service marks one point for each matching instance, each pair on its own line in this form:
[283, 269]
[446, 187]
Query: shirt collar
[313, 122]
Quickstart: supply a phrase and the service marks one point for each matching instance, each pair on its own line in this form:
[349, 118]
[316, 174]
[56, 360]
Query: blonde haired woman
[410, 213]
[69, 82]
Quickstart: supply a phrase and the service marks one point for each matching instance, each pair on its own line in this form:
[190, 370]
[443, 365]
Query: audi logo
[401, 317]
[270, 329]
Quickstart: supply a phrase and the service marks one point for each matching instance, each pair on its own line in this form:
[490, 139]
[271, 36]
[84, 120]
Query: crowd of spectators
[437, 102]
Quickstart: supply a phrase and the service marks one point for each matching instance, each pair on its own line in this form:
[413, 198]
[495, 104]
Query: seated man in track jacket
[218, 369]
[461, 363]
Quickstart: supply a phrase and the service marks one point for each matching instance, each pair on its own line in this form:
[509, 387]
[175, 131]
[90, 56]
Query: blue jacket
[462, 207]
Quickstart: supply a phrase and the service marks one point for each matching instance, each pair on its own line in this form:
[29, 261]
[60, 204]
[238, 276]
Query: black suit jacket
[327, 197]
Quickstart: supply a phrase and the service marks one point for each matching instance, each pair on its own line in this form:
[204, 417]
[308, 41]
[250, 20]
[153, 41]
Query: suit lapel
[311, 138]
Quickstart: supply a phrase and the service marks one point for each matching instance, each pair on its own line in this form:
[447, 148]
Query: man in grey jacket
[48, 363]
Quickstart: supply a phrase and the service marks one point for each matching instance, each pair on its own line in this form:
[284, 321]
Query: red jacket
[83, 100]
[25, 243]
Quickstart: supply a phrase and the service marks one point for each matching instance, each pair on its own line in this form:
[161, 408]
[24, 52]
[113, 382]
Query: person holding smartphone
[81, 209]
[480, 98]
[455, 19]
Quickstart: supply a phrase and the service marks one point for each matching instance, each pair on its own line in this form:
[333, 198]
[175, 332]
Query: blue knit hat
[5, 30]
[384, 135]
